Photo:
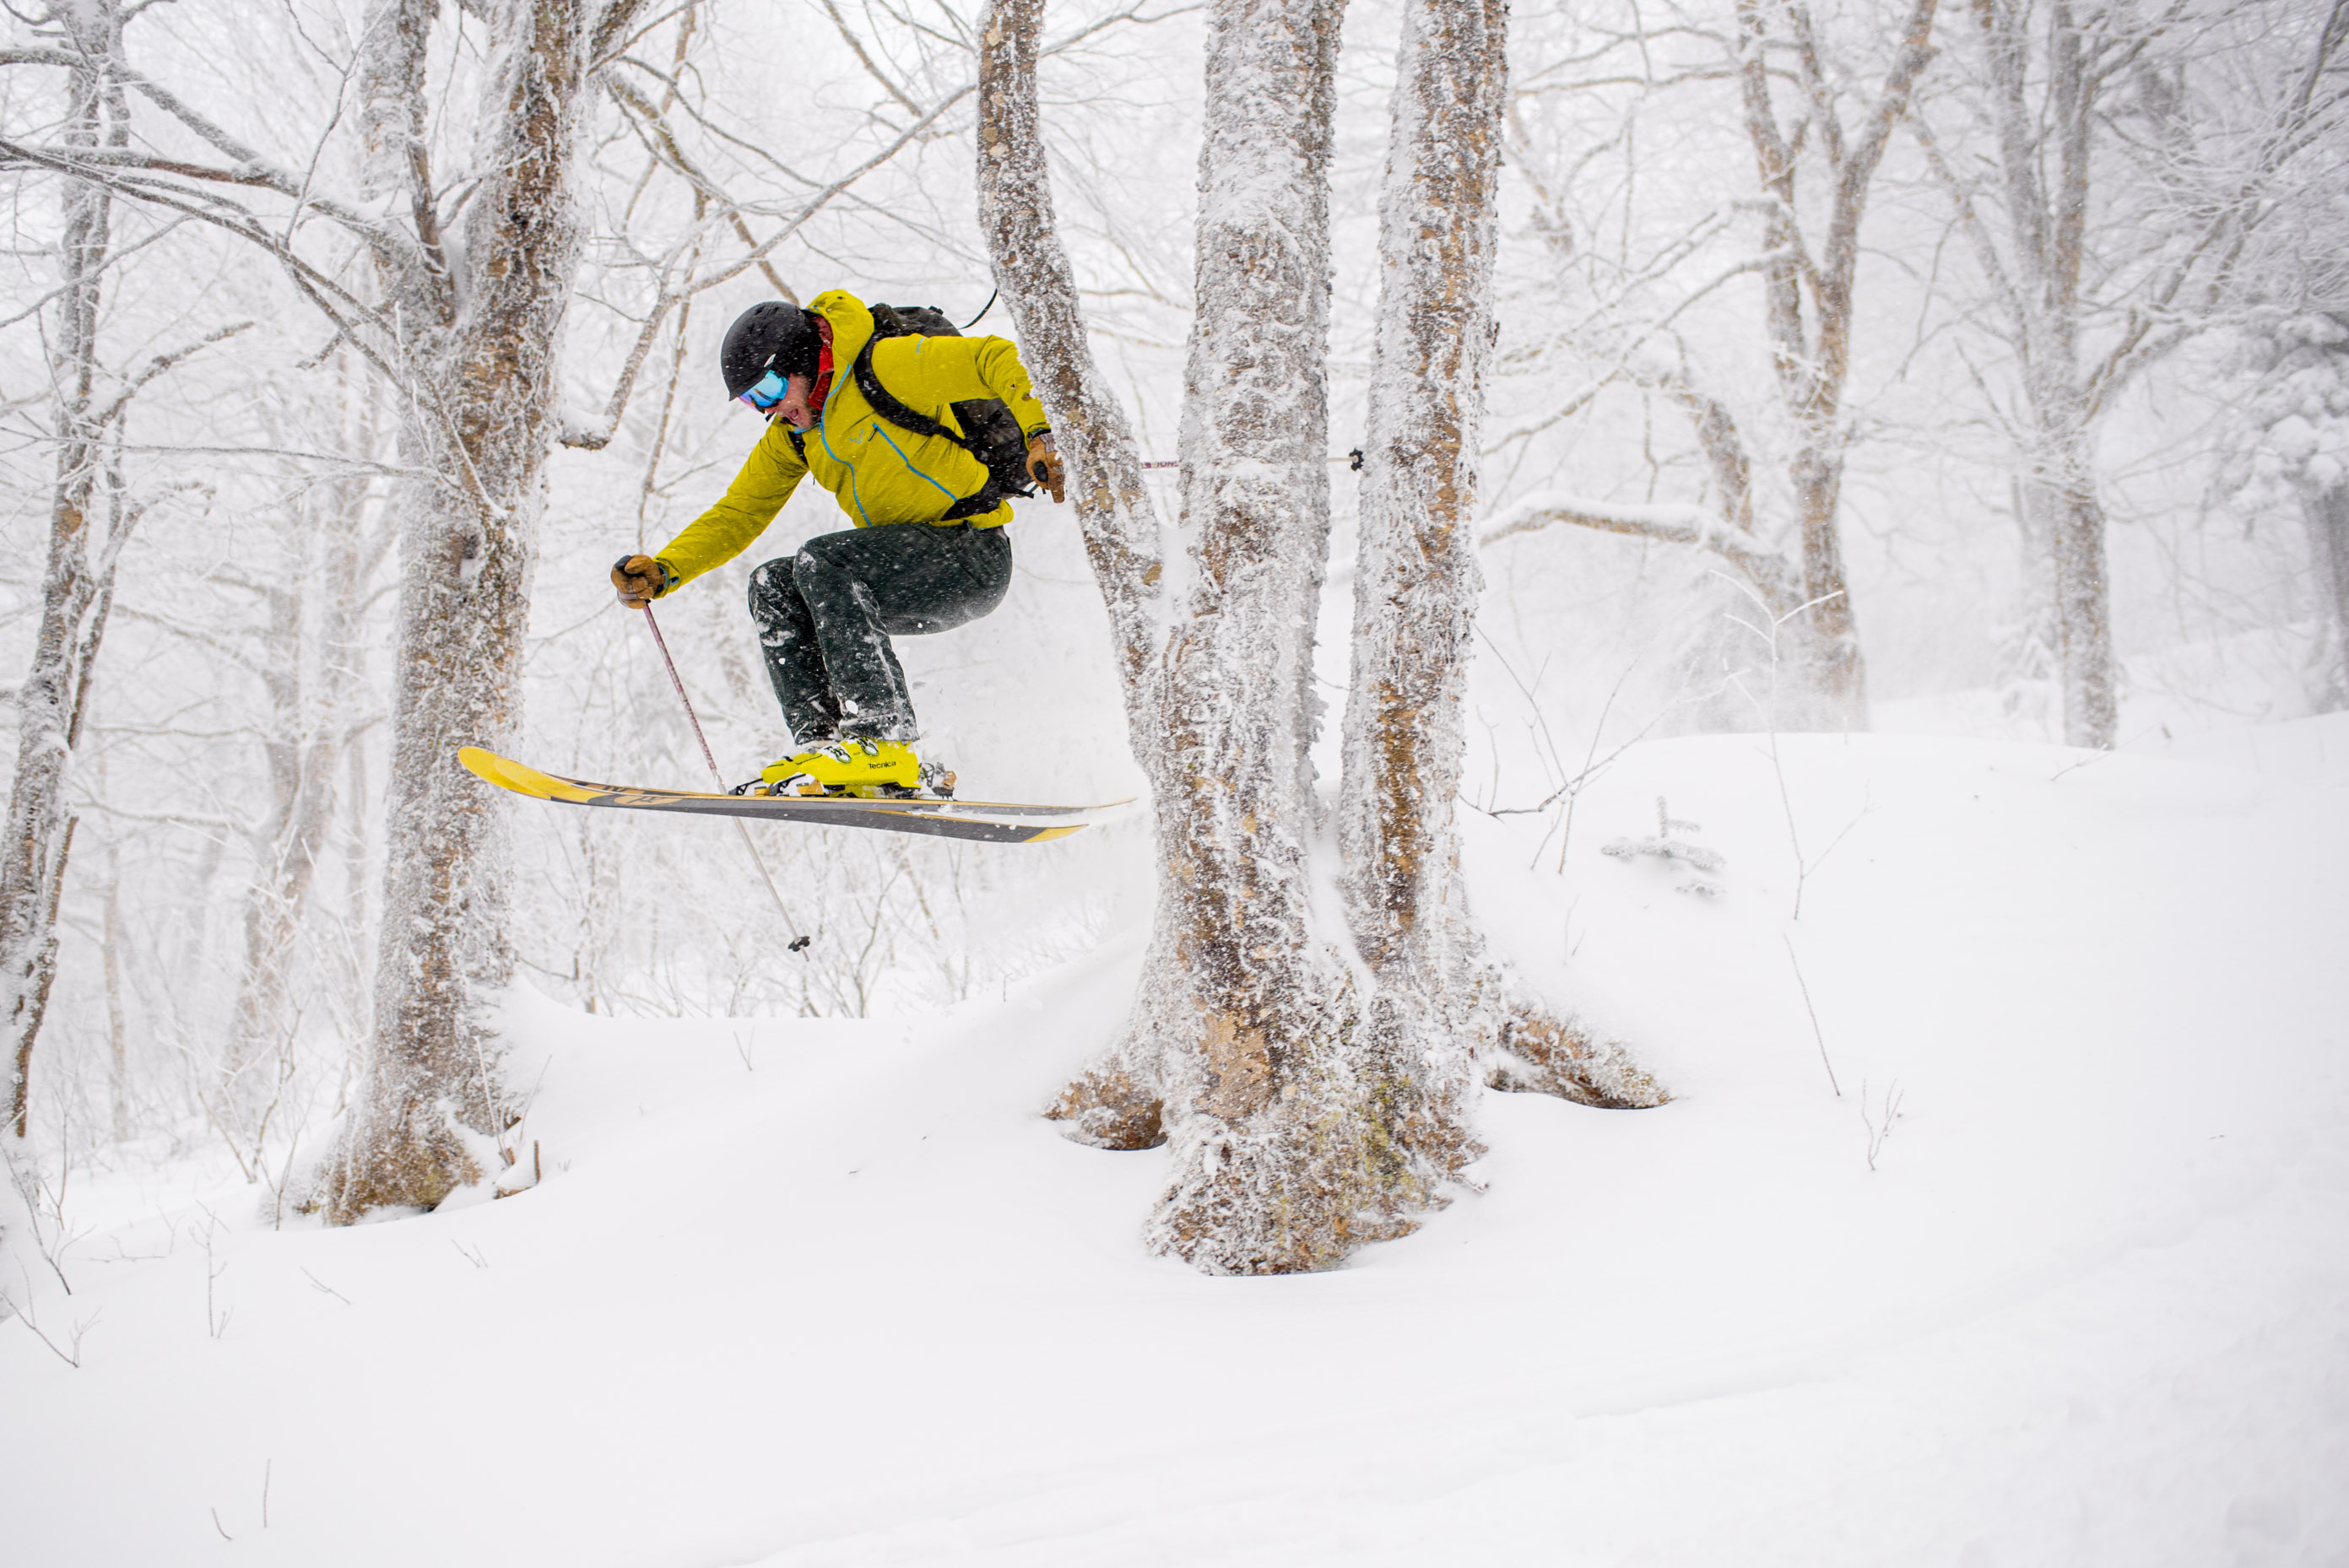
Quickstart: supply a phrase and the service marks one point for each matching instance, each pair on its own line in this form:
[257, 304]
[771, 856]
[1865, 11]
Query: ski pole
[799, 943]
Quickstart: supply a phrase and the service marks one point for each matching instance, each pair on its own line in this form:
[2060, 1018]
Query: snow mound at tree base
[809, 1292]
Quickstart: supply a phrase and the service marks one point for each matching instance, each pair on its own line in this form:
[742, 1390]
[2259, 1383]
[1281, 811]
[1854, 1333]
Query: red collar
[823, 388]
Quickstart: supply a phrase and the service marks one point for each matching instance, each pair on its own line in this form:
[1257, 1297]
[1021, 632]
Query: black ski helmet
[771, 335]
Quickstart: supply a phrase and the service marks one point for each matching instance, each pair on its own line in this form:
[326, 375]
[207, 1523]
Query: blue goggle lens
[766, 392]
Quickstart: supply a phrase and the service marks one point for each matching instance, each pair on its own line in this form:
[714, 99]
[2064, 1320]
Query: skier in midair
[928, 551]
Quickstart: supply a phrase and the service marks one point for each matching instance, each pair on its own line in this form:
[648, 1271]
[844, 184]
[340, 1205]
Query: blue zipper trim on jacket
[909, 464]
[849, 469]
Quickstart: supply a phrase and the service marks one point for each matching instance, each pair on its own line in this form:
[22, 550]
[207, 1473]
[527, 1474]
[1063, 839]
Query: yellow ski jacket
[879, 472]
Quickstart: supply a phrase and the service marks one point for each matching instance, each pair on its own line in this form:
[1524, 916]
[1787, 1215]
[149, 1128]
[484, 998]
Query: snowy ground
[817, 1292]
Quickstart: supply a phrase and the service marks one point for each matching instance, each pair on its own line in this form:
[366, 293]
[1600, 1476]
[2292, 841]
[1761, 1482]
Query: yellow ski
[985, 821]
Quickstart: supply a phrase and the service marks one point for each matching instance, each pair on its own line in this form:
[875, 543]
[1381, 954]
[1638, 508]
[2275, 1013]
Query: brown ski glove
[640, 580]
[1045, 468]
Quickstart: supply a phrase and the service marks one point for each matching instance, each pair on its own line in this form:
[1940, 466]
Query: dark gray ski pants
[825, 617]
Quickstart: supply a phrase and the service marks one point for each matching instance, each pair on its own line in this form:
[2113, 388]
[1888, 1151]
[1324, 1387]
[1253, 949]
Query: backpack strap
[988, 496]
[885, 404]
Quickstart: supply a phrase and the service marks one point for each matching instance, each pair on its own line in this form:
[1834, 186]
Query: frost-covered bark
[1289, 1146]
[1280, 1159]
[1441, 1014]
[88, 526]
[1115, 1102]
[1416, 578]
[481, 425]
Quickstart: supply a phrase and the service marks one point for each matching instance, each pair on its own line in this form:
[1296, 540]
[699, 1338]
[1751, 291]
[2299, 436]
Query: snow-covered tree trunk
[2327, 512]
[1416, 578]
[254, 1066]
[1280, 1159]
[482, 424]
[2046, 229]
[310, 674]
[1290, 1144]
[2063, 488]
[1814, 364]
[1115, 1102]
[2027, 655]
[1833, 674]
[77, 581]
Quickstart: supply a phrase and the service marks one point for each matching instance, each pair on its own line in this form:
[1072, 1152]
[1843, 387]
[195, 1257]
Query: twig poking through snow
[1877, 1134]
[1817, 1032]
[216, 1323]
[1665, 846]
[318, 1285]
[70, 1351]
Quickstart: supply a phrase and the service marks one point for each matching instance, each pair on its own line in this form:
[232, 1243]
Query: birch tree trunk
[77, 584]
[1116, 1102]
[429, 1104]
[2046, 232]
[1253, 1006]
[1290, 1144]
[1814, 365]
[1417, 576]
[253, 1068]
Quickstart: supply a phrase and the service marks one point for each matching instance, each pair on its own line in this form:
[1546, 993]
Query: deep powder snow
[801, 1292]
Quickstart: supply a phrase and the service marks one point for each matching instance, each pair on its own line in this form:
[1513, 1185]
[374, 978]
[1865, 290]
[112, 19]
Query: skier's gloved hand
[1044, 466]
[640, 580]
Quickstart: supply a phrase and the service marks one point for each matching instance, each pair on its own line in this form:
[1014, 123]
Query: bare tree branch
[595, 439]
[633, 101]
[161, 363]
[856, 45]
[1773, 576]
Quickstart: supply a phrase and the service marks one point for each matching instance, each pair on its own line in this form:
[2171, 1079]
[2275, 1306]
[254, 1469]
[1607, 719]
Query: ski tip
[507, 774]
[481, 764]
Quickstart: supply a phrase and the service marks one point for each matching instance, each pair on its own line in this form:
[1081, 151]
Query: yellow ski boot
[868, 770]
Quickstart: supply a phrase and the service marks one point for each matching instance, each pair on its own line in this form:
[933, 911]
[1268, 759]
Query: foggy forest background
[220, 904]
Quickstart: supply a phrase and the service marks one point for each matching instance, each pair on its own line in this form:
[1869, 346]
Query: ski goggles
[766, 392]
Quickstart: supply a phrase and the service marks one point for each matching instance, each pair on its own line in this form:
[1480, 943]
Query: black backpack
[988, 431]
